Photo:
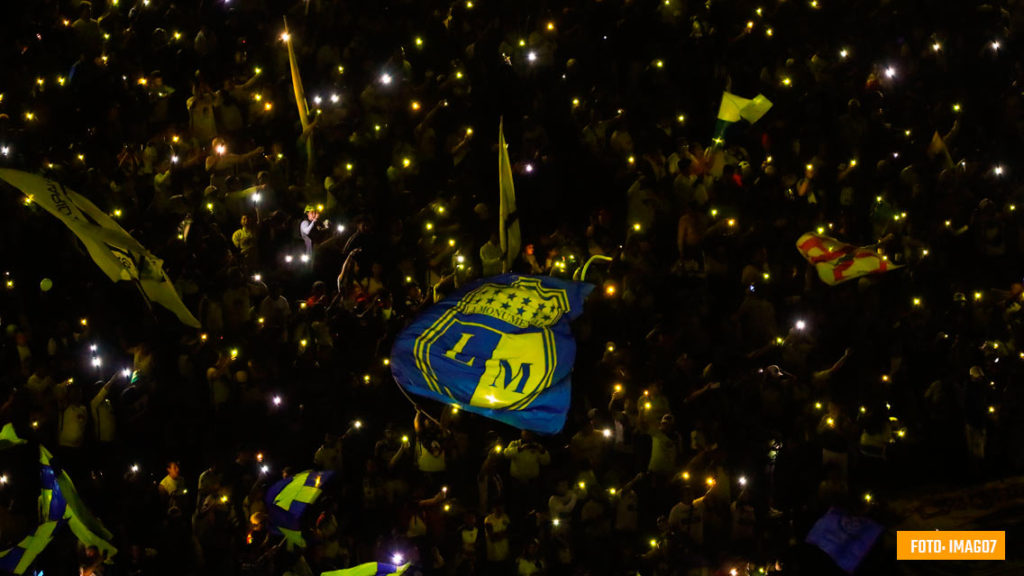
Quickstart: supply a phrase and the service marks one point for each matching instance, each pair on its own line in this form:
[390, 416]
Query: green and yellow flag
[734, 108]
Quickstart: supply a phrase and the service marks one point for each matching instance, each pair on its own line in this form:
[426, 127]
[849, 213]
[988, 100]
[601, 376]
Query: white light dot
[890, 72]
[532, 56]
[529, 168]
[385, 79]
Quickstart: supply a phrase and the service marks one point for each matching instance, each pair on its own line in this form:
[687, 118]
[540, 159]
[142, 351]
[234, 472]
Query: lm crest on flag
[501, 347]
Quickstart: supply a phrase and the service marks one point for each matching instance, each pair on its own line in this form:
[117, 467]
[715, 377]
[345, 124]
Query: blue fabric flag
[501, 347]
[288, 499]
[846, 539]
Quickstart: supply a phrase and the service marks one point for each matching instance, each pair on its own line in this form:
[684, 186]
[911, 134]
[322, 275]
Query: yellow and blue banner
[501, 347]
[288, 499]
[370, 569]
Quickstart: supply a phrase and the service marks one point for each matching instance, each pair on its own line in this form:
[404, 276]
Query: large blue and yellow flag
[501, 347]
[288, 499]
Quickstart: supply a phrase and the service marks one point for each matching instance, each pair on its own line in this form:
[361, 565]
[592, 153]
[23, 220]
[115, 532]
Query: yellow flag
[118, 255]
[508, 226]
[300, 94]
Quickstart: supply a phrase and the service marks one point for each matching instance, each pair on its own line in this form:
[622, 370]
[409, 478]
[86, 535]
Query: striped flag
[837, 262]
[734, 108]
[508, 227]
[288, 499]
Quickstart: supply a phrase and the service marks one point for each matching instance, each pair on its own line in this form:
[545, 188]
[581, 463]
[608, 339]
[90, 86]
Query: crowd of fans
[723, 398]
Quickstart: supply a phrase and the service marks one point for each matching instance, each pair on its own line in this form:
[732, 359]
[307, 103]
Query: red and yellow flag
[837, 262]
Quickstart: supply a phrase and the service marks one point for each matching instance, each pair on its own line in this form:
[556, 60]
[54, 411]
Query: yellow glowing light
[386, 361]
[610, 290]
[341, 69]
[419, 41]
[469, 4]
[618, 387]
[786, 81]
[497, 448]
[710, 481]
[956, 107]
[977, 295]
[817, 406]
[868, 497]
[303, 342]
[234, 352]
[830, 421]
[285, 37]
[901, 433]
[654, 543]
[769, 32]
[406, 162]
[143, 81]
[750, 24]
[224, 499]
[117, 213]
[659, 64]
[814, 4]
[429, 226]
[936, 47]
[458, 74]
[681, 118]
[686, 475]
[647, 405]
[631, 160]
[731, 222]
[551, 26]
[991, 409]
[853, 162]
[268, 106]
[40, 81]
[366, 378]
[30, 116]
[257, 97]
[821, 229]
[376, 127]
[349, 166]
[405, 439]
[582, 485]
[447, 507]
[917, 301]
[637, 227]
[415, 106]
[611, 491]
[175, 138]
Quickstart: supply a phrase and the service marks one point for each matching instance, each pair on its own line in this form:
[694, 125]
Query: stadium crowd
[724, 398]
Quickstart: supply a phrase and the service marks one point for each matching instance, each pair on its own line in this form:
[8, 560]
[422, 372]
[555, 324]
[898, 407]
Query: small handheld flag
[734, 108]
[501, 347]
[287, 500]
[837, 262]
[846, 539]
